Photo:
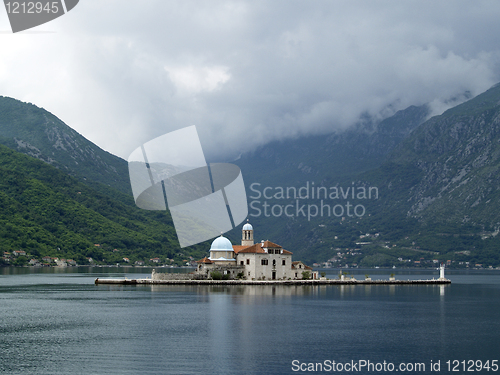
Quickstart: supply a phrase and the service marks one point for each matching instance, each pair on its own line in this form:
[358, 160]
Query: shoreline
[192, 267]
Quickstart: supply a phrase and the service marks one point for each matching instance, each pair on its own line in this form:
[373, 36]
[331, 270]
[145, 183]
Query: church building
[261, 261]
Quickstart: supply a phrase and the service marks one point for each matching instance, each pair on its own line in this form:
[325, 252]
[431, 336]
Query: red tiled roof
[258, 248]
[204, 260]
[271, 244]
[252, 249]
[238, 248]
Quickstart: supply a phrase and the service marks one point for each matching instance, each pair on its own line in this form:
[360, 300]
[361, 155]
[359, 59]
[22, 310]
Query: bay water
[56, 321]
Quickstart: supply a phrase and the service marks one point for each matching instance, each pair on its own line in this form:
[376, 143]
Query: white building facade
[262, 261]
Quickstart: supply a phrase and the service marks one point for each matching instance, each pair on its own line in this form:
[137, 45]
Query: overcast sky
[122, 72]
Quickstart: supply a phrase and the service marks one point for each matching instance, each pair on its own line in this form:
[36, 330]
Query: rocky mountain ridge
[34, 131]
[458, 157]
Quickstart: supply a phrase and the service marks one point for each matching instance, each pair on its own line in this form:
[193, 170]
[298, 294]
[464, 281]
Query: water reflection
[53, 323]
[340, 291]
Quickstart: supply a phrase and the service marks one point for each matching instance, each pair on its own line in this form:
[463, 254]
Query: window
[283, 263]
[248, 261]
[274, 262]
[241, 262]
[270, 251]
[264, 262]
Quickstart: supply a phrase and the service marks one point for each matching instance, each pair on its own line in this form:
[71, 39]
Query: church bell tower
[247, 235]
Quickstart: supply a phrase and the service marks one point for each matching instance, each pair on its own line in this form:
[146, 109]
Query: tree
[216, 275]
[20, 261]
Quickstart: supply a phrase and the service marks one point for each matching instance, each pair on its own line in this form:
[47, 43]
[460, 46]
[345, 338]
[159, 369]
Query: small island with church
[254, 263]
[248, 261]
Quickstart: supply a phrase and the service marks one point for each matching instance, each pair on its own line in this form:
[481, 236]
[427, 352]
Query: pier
[126, 281]
[192, 279]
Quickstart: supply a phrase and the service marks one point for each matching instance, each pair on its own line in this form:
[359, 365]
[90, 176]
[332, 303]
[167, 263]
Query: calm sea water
[56, 321]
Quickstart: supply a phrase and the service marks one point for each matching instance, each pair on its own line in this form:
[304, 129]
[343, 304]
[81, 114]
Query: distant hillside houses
[261, 261]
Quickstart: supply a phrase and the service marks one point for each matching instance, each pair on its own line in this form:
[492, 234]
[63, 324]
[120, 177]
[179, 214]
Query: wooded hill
[46, 212]
[437, 179]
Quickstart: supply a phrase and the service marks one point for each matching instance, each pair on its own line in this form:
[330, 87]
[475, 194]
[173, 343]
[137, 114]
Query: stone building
[261, 261]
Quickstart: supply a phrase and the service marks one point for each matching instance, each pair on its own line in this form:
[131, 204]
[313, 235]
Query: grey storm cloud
[122, 72]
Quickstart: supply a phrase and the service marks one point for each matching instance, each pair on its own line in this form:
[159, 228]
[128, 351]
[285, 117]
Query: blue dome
[247, 226]
[221, 243]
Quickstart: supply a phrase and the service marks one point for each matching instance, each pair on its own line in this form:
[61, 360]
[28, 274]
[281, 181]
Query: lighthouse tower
[441, 272]
[247, 235]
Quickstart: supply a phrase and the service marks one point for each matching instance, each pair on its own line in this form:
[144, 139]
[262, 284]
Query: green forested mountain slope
[440, 190]
[336, 159]
[441, 185]
[29, 129]
[438, 184]
[46, 212]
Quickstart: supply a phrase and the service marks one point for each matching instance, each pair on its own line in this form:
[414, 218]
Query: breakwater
[270, 282]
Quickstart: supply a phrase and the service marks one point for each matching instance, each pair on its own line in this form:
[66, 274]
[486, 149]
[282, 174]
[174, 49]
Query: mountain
[457, 156]
[34, 131]
[327, 160]
[336, 155]
[425, 190]
[46, 212]
[440, 186]
[436, 181]
[74, 197]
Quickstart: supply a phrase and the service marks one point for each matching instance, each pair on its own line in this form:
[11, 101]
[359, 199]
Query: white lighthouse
[441, 272]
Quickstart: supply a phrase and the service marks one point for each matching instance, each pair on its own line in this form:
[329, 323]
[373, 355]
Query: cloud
[247, 72]
[191, 80]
